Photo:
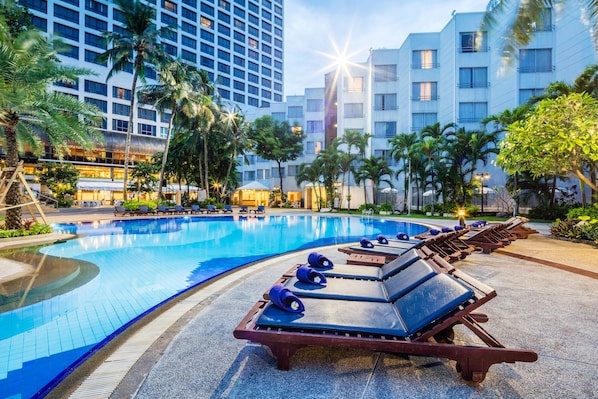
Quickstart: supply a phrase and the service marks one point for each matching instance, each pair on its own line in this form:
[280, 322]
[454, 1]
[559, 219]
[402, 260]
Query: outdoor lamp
[461, 214]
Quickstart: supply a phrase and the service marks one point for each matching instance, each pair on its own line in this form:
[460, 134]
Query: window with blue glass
[277, 43]
[224, 4]
[223, 55]
[66, 13]
[39, 5]
[277, 98]
[266, 60]
[188, 14]
[239, 12]
[96, 7]
[188, 42]
[278, 21]
[120, 125]
[239, 73]
[147, 114]
[278, 32]
[253, 54]
[266, 94]
[101, 104]
[277, 86]
[94, 40]
[278, 64]
[120, 109]
[253, 90]
[239, 49]
[535, 60]
[40, 23]
[189, 28]
[224, 17]
[266, 82]
[239, 25]
[191, 3]
[266, 49]
[188, 56]
[266, 71]
[206, 48]
[239, 36]
[239, 85]
[277, 75]
[224, 93]
[169, 34]
[278, 54]
[267, 15]
[472, 112]
[119, 29]
[92, 57]
[69, 85]
[238, 97]
[267, 26]
[253, 31]
[239, 61]
[254, 102]
[70, 51]
[209, 36]
[223, 42]
[224, 68]
[266, 37]
[223, 81]
[385, 129]
[146, 130]
[240, 2]
[66, 31]
[223, 29]
[118, 15]
[206, 62]
[169, 49]
[206, 9]
[253, 7]
[267, 4]
[95, 87]
[168, 19]
[253, 19]
[252, 66]
[121, 93]
[278, 10]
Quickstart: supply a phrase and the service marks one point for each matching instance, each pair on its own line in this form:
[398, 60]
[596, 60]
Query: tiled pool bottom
[141, 264]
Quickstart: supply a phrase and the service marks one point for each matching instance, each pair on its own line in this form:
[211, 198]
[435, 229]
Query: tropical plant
[328, 161]
[61, 179]
[311, 173]
[143, 178]
[275, 141]
[28, 110]
[232, 122]
[375, 169]
[136, 46]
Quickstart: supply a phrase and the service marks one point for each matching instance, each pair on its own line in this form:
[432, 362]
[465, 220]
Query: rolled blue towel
[481, 223]
[310, 275]
[458, 227]
[381, 239]
[434, 232]
[446, 229]
[283, 298]
[475, 225]
[318, 260]
[365, 243]
[403, 236]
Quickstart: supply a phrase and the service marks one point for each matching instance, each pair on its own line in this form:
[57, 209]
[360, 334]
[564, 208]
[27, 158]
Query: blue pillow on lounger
[310, 275]
[434, 232]
[318, 260]
[403, 236]
[381, 239]
[365, 243]
[458, 227]
[446, 229]
[283, 298]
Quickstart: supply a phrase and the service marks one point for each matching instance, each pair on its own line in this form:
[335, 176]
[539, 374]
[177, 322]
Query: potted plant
[385, 209]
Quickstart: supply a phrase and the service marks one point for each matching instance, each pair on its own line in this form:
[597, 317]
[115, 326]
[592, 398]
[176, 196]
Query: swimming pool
[116, 272]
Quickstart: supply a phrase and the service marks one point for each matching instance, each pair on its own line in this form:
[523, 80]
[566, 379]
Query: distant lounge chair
[163, 210]
[196, 209]
[212, 209]
[418, 323]
[120, 210]
[243, 209]
[259, 209]
[145, 210]
[227, 209]
[391, 252]
[179, 210]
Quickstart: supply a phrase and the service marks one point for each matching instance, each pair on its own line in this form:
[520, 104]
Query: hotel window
[263, 174]
[169, 35]
[424, 91]
[223, 55]
[526, 94]
[472, 112]
[279, 116]
[266, 37]
[238, 36]
[254, 7]
[92, 57]
[119, 125]
[253, 55]
[315, 106]
[385, 102]
[252, 42]
[421, 120]
[206, 9]
[165, 117]
[239, 61]
[473, 42]
[192, 3]
[224, 93]
[188, 14]
[146, 130]
[385, 155]
[101, 104]
[206, 48]
[68, 85]
[266, 71]
[239, 12]
[222, 42]
[266, 59]
[187, 41]
[188, 56]
[253, 31]
[40, 23]
[96, 7]
[266, 93]
[223, 81]
[473, 77]
[224, 68]
[96, 41]
[189, 28]
[120, 109]
[267, 26]
[385, 129]
[354, 84]
[169, 6]
[167, 19]
[385, 73]
[164, 132]
[249, 175]
[223, 17]
[66, 14]
[169, 49]
[266, 82]
[266, 49]
[295, 112]
[267, 15]
[118, 16]
[95, 87]
[224, 4]
[253, 90]
[206, 23]
[39, 5]
[239, 85]
[314, 127]
[253, 66]
[424, 59]
[66, 31]
[225, 30]
[253, 19]
[276, 173]
[238, 97]
[544, 23]
[239, 25]
[535, 60]
[310, 147]
[237, 48]
[353, 110]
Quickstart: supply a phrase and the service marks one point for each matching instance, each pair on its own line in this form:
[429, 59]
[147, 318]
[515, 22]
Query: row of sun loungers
[406, 299]
[179, 210]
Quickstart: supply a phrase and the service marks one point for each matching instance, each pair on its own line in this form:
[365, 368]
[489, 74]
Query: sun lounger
[227, 209]
[388, 251]
[259, 209]
[486, 239]
[243, 209]
[179, 210]
[145, 210]
[419, 323]
[196, 209]
[515, 226]
[211, 209]
[161, 209]
[120, 210]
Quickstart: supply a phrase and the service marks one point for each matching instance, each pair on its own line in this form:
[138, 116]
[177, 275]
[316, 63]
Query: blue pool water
[116, 272]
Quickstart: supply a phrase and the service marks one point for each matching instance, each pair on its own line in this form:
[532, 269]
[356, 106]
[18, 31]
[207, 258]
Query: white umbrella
[389, 190]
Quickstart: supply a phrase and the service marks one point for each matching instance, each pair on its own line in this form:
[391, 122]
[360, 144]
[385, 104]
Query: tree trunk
[129, 133]
[205, 160]
[13, 197]
[280, 177]
[165, 154]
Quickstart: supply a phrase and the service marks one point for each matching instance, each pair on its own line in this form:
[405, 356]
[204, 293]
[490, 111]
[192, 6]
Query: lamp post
[481, 177]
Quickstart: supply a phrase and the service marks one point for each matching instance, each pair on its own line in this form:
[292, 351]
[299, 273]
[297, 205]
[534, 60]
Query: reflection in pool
[139, 264]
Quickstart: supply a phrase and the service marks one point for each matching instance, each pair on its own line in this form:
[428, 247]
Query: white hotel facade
[447, 76]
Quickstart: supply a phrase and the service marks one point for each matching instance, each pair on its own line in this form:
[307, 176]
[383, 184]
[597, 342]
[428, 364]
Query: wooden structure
[29, 201]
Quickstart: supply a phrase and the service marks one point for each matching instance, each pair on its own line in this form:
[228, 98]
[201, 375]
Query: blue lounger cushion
[402, 236]
[310, 275]
[430, 301]
[389, 250]
[381, 239]
[285, 300]
[434, 232]
[318, 260]
[365, 243]
[374, 272]
[446, 229]
[366, 290]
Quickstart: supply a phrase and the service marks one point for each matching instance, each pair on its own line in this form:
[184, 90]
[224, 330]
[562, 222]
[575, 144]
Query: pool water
[116, 272]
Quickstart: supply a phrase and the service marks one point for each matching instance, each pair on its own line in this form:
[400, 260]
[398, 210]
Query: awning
[254, 185]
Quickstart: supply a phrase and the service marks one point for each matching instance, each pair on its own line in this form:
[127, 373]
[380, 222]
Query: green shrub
[385, 207]
[566, 229]
[29, 230]
[367, 206]
[134, 205]
[576, 213]
[549, 212]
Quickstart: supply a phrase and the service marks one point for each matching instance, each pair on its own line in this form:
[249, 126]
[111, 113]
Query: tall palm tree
[233, 125]
[360, 141]
[176, 91]
[328, 161]
[136, 45]
[402, 149]
[28, 66]
[588, 81]
[311, 173]
[518, 31]
[374, 169]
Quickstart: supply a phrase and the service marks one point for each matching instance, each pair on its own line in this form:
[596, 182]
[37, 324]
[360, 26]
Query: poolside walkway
[547, 301]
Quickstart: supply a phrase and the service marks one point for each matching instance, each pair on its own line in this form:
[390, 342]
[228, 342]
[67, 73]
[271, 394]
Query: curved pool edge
[157, 327]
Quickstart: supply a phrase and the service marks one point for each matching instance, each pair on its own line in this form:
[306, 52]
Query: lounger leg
[473, 369]
[283, 354]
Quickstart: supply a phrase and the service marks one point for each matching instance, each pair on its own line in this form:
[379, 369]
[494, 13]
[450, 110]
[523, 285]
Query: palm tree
[402, 149]
[587, 81]
[374, 169]
[233, 125]
[360, 141]
[138, 43]
[311, 173]
[177, 92]
[526, 15]
[28, 66]
[328, 161]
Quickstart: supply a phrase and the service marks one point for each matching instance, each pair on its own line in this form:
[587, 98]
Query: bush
[134, 205]
[29, 229]
[549, 212]
[576, 213]
[566, 229]
[385, 207]
[363, 207]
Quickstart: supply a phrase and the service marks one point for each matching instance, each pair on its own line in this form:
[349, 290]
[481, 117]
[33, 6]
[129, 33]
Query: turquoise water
[118, 271]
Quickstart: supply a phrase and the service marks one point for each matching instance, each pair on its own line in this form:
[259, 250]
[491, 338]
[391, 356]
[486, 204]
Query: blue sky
[316, 30]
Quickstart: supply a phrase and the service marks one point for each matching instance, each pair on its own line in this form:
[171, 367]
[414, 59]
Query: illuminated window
[206, 23]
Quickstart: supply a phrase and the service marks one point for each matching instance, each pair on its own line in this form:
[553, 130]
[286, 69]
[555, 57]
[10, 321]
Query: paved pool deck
[547, 302]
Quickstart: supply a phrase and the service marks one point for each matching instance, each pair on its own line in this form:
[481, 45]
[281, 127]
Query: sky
[318, 31]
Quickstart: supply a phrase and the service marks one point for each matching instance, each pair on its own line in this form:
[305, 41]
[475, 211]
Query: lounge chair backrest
[398, 264]
[413, 275]
[179, 208]
[120, 208]
[432, 300]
